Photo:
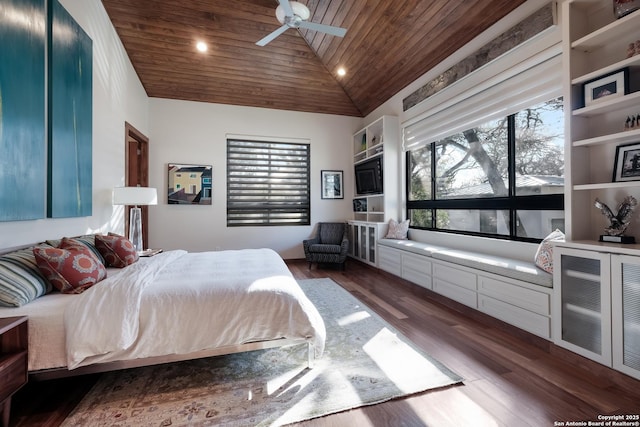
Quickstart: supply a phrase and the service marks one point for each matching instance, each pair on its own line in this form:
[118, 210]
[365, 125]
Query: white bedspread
[178, 303]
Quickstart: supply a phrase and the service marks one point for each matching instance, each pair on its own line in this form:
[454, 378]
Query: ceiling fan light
[298, 9]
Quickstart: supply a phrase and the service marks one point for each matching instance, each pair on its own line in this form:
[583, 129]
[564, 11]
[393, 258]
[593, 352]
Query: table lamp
[135, 197]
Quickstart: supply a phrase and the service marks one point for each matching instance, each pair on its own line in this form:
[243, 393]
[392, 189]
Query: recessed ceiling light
[201, 46]
[342, 71]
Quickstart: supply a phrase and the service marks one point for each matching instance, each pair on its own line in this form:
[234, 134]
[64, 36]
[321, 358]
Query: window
[503, 178]
[267, 183]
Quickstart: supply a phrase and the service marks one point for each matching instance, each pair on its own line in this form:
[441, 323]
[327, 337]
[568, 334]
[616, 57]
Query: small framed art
[332, 184]
[606, 87]
[627, 165]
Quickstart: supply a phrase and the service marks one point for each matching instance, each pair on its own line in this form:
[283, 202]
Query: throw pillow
[20, 278]
[398, 230]
[544, 254]
[71, 267]
[117, 251]
[88, 240]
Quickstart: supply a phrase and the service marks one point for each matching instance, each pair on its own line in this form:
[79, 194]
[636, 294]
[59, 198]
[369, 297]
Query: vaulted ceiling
[389, 44]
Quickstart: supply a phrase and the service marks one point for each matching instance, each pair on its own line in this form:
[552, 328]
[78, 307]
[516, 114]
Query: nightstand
[13, 361]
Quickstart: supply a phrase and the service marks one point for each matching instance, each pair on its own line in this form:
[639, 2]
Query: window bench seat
[514, 291]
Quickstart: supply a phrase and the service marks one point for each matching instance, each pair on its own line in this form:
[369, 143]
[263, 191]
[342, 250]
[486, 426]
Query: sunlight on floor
[381, 349]
[353, 318]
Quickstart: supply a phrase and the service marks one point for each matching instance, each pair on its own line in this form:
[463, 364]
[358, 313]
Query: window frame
[512, 202]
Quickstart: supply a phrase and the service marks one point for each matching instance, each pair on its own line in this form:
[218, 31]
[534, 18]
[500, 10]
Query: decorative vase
[624, 7]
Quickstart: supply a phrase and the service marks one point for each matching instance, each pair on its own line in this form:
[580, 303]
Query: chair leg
[310, 265]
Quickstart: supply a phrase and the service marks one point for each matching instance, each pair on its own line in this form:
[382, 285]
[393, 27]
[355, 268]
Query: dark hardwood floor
[511, 378]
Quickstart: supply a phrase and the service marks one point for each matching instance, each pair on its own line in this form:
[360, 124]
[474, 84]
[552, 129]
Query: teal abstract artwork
[22, 110]
[70, 117]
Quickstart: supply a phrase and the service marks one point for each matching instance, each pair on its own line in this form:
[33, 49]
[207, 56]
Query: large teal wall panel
[22, 109]
[70, 116]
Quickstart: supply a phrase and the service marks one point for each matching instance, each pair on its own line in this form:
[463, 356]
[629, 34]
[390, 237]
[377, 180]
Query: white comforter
[178, 303]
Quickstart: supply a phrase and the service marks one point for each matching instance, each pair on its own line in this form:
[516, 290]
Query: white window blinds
[535, 80]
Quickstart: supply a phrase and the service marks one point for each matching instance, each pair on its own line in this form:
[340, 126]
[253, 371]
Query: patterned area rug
[366, 361]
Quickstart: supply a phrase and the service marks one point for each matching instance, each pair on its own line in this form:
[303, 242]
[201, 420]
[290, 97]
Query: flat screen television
[369, 176]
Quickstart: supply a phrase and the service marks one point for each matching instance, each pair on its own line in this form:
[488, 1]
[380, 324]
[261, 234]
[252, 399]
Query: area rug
[366, 361]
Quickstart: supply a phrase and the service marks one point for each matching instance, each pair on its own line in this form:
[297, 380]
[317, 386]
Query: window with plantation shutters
[267, 183]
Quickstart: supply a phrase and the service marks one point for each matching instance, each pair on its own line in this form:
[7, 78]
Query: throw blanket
[178, 303]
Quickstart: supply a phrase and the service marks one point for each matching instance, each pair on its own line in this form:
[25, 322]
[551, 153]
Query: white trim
[263, 138]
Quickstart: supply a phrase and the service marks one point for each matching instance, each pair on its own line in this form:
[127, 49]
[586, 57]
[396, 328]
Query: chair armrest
[308, 242]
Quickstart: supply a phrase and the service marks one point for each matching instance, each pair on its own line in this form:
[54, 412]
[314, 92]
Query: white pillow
[398, 230]
[544, 254]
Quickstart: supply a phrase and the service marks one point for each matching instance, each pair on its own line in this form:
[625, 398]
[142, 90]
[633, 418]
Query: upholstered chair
[330, 245]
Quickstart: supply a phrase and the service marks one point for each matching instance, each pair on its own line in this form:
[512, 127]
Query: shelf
[606, 185]
[607, 247]
[627, 62]
[606, 106]
[608, 34]
[623, 137]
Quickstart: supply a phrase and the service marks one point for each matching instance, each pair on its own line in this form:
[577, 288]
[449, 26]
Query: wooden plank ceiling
[387, 46]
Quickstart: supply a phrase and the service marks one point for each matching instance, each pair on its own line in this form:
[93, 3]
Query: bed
[172, 306]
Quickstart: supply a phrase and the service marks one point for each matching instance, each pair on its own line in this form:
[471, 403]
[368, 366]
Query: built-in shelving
[595, 45]
[378, 139]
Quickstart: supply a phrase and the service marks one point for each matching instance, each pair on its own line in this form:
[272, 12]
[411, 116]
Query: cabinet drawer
[13, 373]
[457, 293]
[455, 276]
[538, 302]
[417, 269]
[521, 318]
[390, 260]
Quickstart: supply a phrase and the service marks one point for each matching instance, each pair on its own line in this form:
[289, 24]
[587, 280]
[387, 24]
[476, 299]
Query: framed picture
[627, 166]
[189, 184]
[606, 87]
[332, 185]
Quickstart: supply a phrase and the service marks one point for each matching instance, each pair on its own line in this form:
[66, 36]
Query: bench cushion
[411, 246]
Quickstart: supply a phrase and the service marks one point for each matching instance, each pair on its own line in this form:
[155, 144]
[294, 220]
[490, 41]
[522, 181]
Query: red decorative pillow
[117, 251]
[71, 267]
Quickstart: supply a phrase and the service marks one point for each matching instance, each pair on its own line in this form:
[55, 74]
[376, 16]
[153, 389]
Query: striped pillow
[20, 278]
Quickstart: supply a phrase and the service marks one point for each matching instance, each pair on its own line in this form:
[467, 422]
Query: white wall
[117, 96]
[195, 133]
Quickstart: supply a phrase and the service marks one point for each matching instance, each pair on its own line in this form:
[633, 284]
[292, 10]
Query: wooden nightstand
[14, 337]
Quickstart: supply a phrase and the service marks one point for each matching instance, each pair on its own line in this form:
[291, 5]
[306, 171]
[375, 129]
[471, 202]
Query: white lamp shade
[135, 196]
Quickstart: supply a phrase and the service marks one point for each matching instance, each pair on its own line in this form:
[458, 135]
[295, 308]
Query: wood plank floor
[511, 378]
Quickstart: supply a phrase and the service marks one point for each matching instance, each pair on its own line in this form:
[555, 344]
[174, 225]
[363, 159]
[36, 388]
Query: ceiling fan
[294, 15]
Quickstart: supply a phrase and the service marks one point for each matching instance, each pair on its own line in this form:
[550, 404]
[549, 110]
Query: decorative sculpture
[618, 222]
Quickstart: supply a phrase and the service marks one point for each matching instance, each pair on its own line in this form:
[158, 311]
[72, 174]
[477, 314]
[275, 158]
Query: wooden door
[137, 171]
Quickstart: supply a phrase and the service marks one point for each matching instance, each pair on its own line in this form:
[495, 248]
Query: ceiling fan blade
[273, 35]
[334, 31]
[288, 10]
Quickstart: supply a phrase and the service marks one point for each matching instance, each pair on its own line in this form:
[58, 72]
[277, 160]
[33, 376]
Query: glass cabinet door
[625, 303]
[582, 303]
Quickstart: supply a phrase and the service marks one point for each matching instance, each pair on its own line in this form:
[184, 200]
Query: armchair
[330, 245]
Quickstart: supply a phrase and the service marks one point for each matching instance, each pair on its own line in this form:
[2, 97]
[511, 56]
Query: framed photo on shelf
[332, 185]
[627, 165]
[609, 86]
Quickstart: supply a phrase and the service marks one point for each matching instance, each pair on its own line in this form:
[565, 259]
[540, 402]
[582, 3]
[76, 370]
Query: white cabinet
[625, 297]
[595, 45]
[378, 140]
[582, 313]
[363, 238]
[597, 310]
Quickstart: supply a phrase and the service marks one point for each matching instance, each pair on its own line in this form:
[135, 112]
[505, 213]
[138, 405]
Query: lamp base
[135, 228]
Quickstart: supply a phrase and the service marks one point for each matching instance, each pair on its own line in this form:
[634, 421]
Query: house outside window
[502, 178]
[268, 183]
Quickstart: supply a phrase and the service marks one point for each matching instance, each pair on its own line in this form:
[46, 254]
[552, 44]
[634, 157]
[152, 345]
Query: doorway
[136, 172]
